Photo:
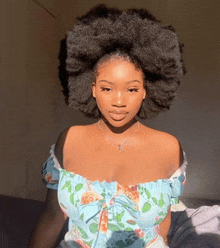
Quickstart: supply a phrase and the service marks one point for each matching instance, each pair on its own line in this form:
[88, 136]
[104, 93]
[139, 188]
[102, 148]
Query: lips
[118, 115]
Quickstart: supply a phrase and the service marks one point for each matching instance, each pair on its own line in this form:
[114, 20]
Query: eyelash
[105, 89]
[133, 90]
[130, 90]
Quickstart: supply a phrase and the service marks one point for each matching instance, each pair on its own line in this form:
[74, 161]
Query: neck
[109, 129]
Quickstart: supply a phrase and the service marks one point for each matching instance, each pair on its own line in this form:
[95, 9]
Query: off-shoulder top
[104, 213]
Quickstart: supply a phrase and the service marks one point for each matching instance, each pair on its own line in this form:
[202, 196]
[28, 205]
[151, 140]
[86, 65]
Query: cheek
[136, 103]
[102, 102]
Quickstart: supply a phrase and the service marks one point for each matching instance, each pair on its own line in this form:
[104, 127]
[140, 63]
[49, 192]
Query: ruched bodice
[100, 212]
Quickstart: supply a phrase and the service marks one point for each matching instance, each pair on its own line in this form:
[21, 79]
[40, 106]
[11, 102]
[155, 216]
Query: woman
[116, 178]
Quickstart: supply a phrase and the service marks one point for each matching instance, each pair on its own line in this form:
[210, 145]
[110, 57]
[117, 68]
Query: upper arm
[174, 154]
[59, 146]
[164, 226]
[52, 207]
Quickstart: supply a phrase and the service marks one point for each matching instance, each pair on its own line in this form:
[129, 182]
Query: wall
[33, 111]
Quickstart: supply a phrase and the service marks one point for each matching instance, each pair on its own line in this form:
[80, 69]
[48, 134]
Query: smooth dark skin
[149, 155]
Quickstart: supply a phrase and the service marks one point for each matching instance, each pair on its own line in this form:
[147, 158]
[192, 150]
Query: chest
[133, 164]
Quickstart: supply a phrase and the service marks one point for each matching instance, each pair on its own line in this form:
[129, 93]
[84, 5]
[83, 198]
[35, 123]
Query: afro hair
[151, 45]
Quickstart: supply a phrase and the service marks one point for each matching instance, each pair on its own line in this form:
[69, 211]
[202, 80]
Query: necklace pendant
[119, 146]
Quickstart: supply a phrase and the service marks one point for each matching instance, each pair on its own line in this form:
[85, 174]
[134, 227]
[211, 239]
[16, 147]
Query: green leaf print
[161, 196]
[161, 203]
[103, 194]
[154, 200]
[82, 216]
[69, 189]
[146, 207]
[162, 214]
[66, 185]
[78, 186]
[159, 221]
[64, 174]
[128, 229]
[89, 243]
[72, 198]
[119, 216]
[84, 234]
[121, 224]
[93, 228]
[113, 228]
[147, 193]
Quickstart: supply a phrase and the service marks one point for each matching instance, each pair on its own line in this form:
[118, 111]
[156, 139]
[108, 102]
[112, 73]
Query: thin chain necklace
[119, 145]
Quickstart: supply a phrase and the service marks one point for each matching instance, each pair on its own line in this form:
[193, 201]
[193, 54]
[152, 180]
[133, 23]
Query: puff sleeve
[50, 171]
[177, 182]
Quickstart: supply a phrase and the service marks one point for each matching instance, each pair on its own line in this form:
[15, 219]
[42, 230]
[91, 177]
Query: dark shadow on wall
[63, 75]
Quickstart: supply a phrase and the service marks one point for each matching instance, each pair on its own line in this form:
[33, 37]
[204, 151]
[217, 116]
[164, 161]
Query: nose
[119, 99]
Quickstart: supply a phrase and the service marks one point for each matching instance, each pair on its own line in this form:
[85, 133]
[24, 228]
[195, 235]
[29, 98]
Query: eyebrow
[109, 82]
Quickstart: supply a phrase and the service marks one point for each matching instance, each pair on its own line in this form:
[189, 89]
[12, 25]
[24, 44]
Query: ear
[145, 94]
[93, 89]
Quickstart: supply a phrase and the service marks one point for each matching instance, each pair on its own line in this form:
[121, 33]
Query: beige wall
[33, 111]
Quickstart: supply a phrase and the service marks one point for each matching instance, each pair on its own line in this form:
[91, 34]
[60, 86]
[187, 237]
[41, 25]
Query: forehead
[118, 68]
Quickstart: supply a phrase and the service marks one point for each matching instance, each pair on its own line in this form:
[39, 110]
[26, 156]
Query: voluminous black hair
[153, 46]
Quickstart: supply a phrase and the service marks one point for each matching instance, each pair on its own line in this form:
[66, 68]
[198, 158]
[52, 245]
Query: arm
[52, 220]
[50, 224]
[175, 158]
[164, 227]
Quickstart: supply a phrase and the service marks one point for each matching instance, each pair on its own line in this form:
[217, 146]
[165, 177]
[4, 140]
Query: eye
[133, 90]
[105, 89]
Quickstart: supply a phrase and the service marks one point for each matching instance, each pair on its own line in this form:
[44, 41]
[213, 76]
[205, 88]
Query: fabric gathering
[98, 211]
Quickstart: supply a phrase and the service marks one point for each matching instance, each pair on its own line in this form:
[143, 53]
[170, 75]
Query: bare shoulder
[78, 132]
[167, 145]
[70, 137]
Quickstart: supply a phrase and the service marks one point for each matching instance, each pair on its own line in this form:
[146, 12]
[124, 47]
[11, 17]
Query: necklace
[119, 145]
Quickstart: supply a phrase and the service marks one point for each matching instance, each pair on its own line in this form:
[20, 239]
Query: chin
[118, 123]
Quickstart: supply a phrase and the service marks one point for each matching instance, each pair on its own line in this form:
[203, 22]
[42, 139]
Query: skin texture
[119, 88]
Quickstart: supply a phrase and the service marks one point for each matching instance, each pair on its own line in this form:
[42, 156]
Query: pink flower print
[48, 178]
[82, 244]
[134, 187]
[157, 218]
[157, 227]
[139, 233]
[63, 208]
[126, 190]
[184, 182]
[112, 201]
[73, 234]
[103, 223]
[90, 196]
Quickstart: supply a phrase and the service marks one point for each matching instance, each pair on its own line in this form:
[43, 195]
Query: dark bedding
[195, 227]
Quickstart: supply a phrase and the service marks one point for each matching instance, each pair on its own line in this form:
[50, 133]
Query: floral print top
[103, 214]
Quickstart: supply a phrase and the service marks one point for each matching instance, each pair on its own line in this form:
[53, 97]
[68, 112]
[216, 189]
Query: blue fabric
[99, 210]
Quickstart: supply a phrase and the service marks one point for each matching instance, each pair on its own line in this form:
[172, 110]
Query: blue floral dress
[103, 214]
